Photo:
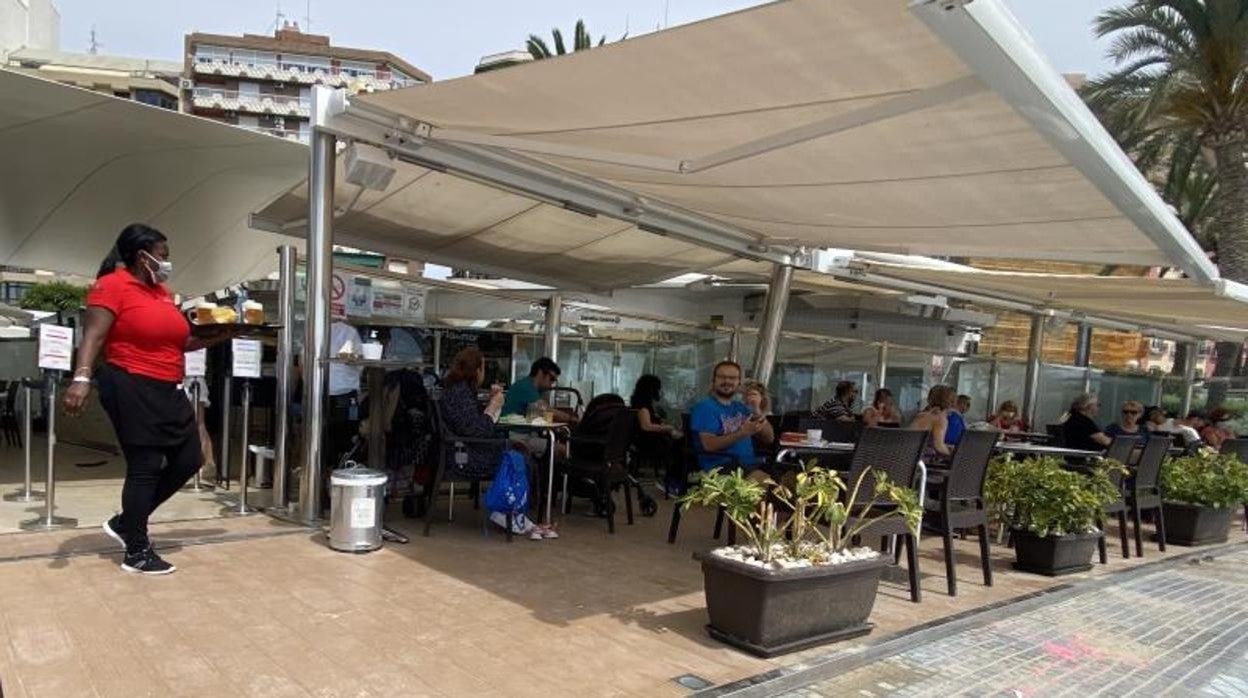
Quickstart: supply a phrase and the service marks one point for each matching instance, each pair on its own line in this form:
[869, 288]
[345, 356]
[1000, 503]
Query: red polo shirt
[149, 332]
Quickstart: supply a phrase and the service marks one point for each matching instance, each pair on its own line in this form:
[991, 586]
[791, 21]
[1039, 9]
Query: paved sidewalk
[1176, 628]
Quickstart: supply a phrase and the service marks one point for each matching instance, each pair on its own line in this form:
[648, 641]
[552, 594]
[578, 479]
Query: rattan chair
[959, 503]
[1143, 490]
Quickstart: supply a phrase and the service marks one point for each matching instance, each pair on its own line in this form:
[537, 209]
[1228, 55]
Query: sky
[446, 39]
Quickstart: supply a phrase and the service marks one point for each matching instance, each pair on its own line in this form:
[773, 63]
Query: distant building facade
[147, 81]
[28, 24]
[264, 83]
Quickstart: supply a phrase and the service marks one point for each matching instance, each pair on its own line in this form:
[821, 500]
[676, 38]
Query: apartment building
[148, 81]
[28, 24]
[264, 83]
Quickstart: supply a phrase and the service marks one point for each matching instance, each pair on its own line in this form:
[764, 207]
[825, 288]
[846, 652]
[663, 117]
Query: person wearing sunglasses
[1128, 423]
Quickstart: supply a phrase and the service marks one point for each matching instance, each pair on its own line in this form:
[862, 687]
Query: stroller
[587, 443]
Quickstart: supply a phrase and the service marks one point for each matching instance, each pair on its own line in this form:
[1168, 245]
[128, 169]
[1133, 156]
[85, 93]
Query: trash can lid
[358, 477]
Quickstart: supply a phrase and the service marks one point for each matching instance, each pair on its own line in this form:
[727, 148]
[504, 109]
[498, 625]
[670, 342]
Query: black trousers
[153, 474]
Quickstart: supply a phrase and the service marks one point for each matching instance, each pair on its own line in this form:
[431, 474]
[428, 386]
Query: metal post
[27, 493]
[227, 396]
[50, 521]
[316, 332]
[773, 320]
[1083, 345]
[242, 507]
[734, 345]
[1031, 383]
[994, 388]
[1087, 380]
[1189, 378]
[196, 485]
[554, 325]
[288, 260]
[881, 368]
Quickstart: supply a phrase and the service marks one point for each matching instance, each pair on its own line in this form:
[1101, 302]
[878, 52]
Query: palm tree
[581, 41]
[1181, 87]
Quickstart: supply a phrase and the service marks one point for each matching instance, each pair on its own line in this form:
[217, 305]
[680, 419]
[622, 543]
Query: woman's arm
[648, 424]
[871, 416]
[96, 324]
[940, 425]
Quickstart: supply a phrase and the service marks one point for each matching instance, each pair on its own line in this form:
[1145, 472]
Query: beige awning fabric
[77, 166]
[449, 220]
[1183, 306]
[884, 125]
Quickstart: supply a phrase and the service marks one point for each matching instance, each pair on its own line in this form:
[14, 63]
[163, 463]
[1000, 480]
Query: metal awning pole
[554, 325]
[734, 345]
[1031, 384]
[316, 326]
[287, 261]
[773, 320]
[1083, 345]
[881, 368]
[1189, 377]
[994, 388]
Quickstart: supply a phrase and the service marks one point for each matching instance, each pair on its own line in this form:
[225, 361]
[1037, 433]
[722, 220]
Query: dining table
[1030, 449]
[550, 430]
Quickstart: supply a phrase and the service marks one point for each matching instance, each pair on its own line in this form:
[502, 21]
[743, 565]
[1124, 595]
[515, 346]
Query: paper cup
[371, 351]
[814, 436]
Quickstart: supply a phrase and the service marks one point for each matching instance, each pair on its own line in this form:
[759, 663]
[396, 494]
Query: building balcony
[250, 103]
[297, 73]
[279, 133]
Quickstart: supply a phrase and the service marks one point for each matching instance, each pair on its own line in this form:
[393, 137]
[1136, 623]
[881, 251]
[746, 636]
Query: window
[156, 99]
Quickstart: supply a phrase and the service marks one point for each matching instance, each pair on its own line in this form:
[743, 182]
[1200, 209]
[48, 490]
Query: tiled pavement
[1179, 628]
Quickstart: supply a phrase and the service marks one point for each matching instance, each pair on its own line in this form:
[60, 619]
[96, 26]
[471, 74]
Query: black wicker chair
[896, 453]
[603, 461]
[1238, 448]
[1121, 450]
[451, 446]
[1143, 490]
[959, 503]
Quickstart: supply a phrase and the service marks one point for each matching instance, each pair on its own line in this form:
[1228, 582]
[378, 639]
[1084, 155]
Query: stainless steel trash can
[355, 508]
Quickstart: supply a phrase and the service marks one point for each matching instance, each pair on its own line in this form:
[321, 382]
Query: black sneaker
[112, 528]
[146, 562]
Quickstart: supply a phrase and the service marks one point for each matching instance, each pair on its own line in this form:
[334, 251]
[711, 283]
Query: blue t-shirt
[710, 416]
[957, 425]
[520, 395]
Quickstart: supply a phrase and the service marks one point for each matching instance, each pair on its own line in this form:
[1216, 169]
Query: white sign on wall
[56, 347]
[197, 363]
[247, 353]
[360, 297]
[415, 300]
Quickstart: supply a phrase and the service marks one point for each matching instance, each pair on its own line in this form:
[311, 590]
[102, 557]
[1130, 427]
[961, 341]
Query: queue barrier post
[49, 521]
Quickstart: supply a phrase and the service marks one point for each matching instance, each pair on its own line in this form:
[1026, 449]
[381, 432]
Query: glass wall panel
[1059, 385]
[599, 368]
[1116, 389]
[634, 360]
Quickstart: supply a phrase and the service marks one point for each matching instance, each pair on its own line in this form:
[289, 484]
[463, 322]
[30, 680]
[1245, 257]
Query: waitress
[131, 315]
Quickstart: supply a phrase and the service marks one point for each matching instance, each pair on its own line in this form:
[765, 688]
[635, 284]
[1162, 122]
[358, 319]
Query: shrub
[54, 297]
[1042, 496]
[1211, 480]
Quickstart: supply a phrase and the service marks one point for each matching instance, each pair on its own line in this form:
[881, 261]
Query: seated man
[1080, 428]
[841, 406]
[724, 427]
[543, 376]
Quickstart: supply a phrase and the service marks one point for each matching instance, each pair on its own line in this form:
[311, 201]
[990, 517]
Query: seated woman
[935, 419]
[1156, 421]
[464, 416]
[882, 410]
[1007, 419]
[1217, 428]
[756, 397]
[1129, 423]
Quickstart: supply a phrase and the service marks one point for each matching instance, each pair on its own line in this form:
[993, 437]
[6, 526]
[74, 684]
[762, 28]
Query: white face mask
[163, 270]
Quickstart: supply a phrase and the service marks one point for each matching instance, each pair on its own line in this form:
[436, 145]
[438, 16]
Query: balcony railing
[298, 73]
[251, 102]
[279, 133]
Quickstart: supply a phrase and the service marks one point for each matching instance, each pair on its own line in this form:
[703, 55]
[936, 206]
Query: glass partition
[1116, 389]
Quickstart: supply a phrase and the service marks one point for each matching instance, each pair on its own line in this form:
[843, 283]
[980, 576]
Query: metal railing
[250, 101]
[301, 73]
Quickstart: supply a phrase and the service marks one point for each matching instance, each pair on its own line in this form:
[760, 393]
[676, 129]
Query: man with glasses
[724, 427]
[1080, 428]
[841, 406]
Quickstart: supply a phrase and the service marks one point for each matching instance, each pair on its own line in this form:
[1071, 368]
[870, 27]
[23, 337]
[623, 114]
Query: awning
[924, 127]
[1179, 306]
[78, 166]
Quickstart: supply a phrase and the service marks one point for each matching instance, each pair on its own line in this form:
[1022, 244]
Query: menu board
[56, 347]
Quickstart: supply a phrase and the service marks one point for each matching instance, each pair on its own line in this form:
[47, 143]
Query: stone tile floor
[1179, 629]
[260, 607]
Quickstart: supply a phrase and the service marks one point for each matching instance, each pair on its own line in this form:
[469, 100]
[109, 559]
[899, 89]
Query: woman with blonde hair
[755, 395]
[935, 419]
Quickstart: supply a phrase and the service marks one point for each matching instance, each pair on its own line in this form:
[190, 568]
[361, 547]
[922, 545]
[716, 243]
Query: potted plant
[1199, 493]
[796, 581]
[1052, 511]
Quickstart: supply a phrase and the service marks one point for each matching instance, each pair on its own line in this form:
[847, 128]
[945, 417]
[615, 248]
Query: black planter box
[1190, 524]
[772, 612]
[1054, 556]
